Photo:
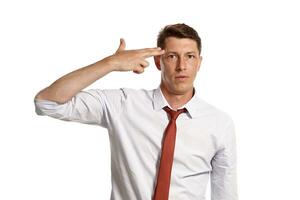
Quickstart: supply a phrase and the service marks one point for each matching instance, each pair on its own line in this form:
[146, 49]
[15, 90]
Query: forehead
[174, 44]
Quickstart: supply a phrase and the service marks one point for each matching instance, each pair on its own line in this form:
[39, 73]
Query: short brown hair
[178, 31]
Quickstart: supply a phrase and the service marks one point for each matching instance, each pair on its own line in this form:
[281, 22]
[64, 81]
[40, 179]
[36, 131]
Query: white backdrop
[249, 69]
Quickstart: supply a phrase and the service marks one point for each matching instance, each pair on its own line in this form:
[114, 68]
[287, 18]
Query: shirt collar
[193, 106]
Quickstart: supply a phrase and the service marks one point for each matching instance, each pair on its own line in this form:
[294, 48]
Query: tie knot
[174, 114]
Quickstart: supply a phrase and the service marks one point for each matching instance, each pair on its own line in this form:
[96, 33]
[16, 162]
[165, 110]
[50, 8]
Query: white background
[250, 70]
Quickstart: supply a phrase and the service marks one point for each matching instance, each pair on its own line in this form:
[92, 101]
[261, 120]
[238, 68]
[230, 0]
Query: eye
[171, 56]
[190, 56]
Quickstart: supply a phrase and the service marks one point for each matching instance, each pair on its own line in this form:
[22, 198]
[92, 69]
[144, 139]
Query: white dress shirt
[135, 120]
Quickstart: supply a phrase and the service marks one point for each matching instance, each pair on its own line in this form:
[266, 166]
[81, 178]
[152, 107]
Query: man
[166, 142]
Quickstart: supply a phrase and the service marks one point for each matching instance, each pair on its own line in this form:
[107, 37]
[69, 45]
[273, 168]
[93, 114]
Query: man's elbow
[41, 95]
[46, 95]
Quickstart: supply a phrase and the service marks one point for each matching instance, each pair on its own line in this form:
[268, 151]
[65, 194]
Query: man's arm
[224, 171]
[66, 87]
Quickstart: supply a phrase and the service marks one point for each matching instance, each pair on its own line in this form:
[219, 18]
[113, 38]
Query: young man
[165, 142]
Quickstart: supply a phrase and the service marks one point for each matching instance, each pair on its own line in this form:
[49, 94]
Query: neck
[176, 100]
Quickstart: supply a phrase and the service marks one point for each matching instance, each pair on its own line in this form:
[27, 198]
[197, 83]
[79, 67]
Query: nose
[181, 64]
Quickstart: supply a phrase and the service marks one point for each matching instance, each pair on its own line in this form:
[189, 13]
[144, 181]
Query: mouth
[182, 77]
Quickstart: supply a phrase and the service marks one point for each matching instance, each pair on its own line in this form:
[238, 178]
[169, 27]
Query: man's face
[179, 65]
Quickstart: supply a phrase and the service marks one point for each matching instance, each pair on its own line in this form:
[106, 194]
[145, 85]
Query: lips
[181, 76]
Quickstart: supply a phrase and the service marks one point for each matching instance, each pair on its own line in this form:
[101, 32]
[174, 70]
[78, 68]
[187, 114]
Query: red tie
[166, 159]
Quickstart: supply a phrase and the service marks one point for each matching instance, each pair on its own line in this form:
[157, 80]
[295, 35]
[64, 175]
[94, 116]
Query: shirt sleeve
[93, 106]
[224, 175]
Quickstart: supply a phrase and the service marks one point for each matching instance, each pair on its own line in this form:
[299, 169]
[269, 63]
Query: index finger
[153, 52]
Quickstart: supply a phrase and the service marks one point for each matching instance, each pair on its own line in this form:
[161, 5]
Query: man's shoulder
[211, 109]
[125, 92]
[137, 90]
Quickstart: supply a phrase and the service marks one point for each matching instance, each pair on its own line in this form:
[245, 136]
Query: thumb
[122, 45]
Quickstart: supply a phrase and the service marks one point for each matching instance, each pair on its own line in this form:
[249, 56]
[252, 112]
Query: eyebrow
[173, 52]
[191, 52]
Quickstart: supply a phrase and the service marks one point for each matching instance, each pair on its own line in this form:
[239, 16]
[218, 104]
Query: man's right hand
[132, 60]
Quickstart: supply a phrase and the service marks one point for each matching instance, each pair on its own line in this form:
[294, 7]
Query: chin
[177, 88]
[182, 90]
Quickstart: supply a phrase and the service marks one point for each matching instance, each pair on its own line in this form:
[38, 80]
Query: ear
[199, 64]
[157, 62]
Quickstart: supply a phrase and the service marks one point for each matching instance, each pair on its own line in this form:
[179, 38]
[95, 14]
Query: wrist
[109, 63]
